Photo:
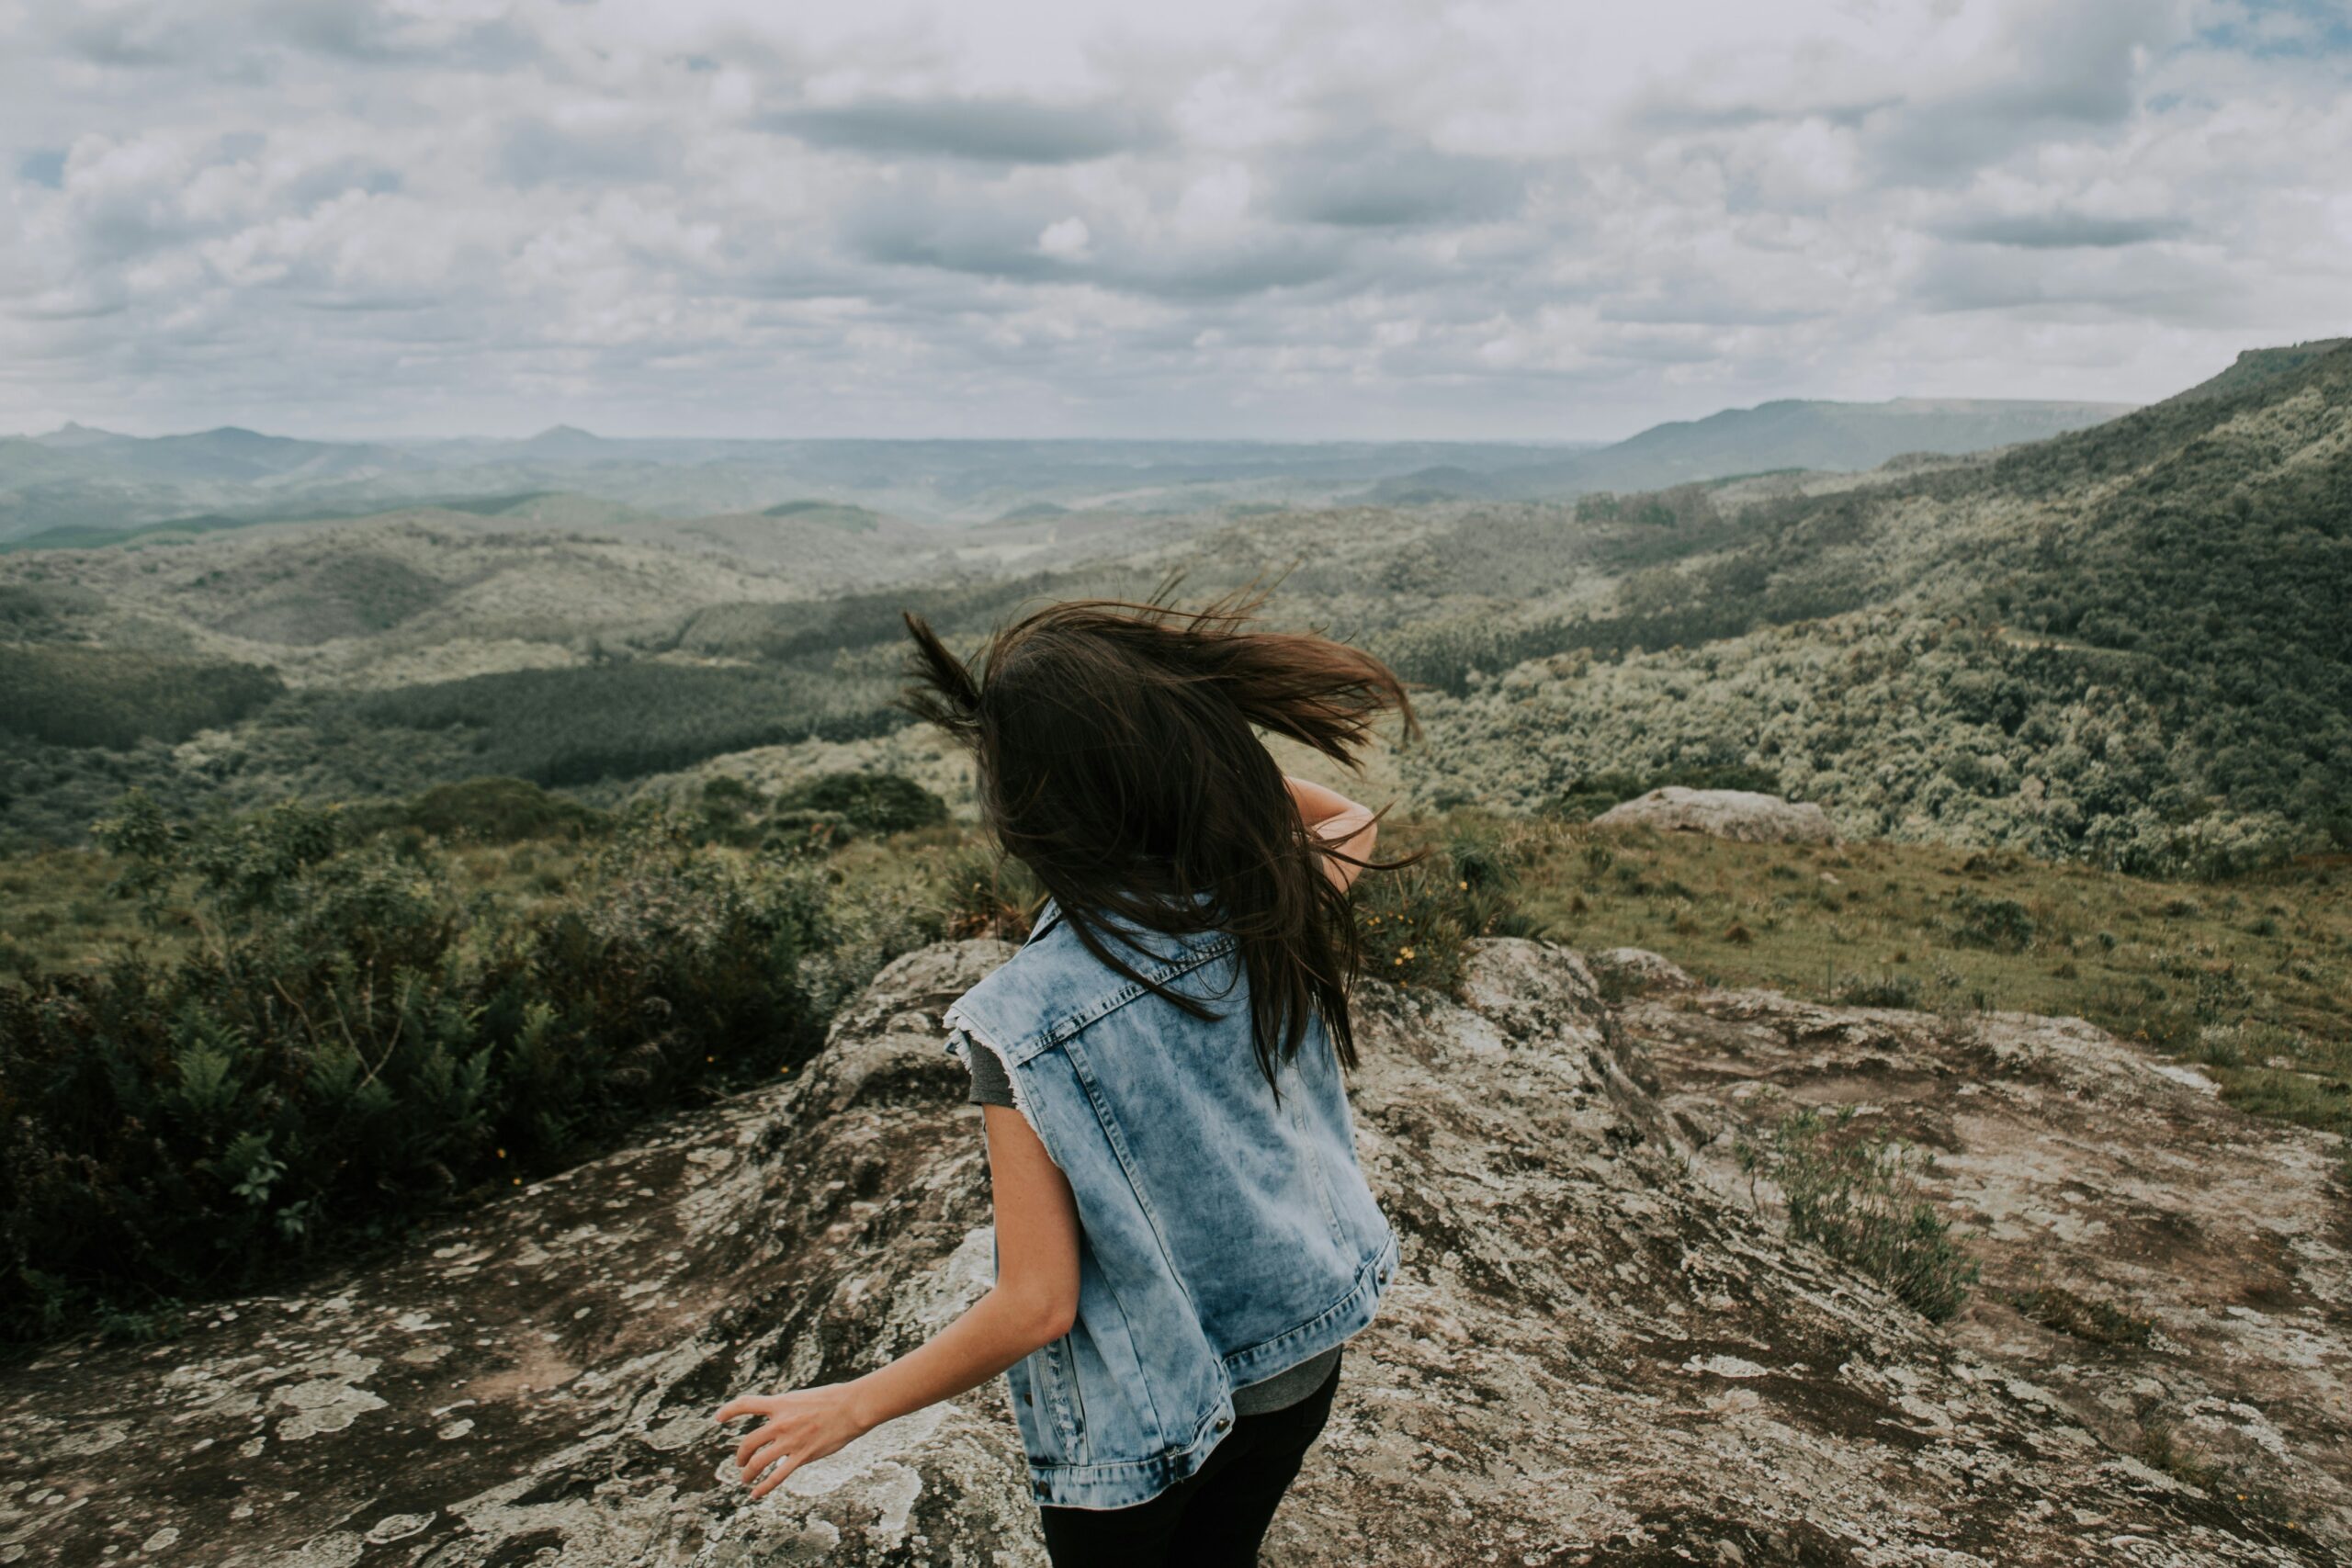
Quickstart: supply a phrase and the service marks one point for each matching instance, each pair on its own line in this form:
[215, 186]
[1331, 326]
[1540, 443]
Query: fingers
[789, 1438]
[777, 1433]
[769, 1454]
[745, 1404]
[773, 1482]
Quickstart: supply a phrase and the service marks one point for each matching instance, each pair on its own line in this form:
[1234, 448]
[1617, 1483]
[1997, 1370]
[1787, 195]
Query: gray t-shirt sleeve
[989, 1086]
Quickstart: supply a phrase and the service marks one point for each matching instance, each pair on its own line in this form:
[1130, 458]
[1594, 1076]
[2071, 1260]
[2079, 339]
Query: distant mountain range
[90, 484]
[81, 479]
[1789, 434]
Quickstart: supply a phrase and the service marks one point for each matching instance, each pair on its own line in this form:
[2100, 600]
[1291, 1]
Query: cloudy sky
[1532, 221]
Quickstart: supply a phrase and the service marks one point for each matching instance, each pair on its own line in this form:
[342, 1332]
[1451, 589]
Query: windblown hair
[1117, 757]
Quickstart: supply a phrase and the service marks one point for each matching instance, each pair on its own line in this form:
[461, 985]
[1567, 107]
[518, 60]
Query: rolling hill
[2128, 642]
[2124, 642]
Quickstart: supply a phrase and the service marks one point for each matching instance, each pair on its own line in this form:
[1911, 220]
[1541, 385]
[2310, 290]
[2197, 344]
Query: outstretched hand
[804, 1424]
[1034, 1301]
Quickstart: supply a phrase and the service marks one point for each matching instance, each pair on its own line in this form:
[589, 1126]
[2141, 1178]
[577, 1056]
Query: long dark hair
[1117, 758]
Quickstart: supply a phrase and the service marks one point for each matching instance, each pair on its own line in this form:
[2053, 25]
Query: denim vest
[1223, 1239]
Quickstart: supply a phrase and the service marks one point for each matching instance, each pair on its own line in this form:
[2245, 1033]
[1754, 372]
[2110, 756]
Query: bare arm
[1337, 821]
[1033, 1302]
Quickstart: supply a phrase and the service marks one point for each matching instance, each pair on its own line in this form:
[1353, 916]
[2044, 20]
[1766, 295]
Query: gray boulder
[1624, 970]
[1725, 813]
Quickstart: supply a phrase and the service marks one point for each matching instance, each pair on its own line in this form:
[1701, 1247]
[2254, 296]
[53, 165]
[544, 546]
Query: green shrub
[984, 893]
[2002, 924]
[1414, 925]
[805, 834]
[727, 810]
[1411, 926]
[497, 810]
[71, 695]
[869, 803]
[1593, 793]
[1857, 1199]
[625, 718]
[1885, 990]
[1720, 775]
[355, 1046]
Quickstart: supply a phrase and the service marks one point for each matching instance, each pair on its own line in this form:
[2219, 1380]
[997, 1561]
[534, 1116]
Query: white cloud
[1063, 237]
[1504, 219]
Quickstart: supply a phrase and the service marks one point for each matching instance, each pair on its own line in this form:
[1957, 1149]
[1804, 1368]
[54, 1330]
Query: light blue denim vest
[1223, 1239]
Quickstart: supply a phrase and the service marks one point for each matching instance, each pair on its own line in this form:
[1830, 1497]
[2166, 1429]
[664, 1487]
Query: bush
[1887, 991]
[2001, 924]
[869, 803]
[805, 834]
[71, 695]
[2101, 1322]
[1593, 793]
[1414, 925]
[624, 719]
[985, 892]
[1857, 1199]
[493, 810]
[353, 1047]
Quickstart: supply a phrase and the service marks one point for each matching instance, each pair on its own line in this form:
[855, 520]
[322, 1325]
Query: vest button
[1223, 1422]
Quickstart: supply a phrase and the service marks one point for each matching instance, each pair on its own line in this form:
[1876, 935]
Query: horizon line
[566, 427]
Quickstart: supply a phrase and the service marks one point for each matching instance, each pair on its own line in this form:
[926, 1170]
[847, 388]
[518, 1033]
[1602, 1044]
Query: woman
[1183, 1236]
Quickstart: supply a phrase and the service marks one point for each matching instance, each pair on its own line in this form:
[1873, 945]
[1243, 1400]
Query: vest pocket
[1322, 1178]
[1065, 1405]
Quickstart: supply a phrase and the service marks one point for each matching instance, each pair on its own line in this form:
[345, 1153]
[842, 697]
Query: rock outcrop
[2178, 1273]
[1623, 969]
[1725, 813]
[1591, 1355]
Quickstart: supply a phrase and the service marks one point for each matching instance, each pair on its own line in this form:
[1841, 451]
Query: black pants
[1215, 1517]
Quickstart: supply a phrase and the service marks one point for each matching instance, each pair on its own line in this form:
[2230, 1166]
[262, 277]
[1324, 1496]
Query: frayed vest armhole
[963, 1036]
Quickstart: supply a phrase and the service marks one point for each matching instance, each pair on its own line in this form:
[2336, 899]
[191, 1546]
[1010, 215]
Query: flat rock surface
[2086, 1174]
[1593, 1354]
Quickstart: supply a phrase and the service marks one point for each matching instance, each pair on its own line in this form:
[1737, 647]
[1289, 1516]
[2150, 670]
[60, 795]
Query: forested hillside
[2125, 643]
[2130, 642]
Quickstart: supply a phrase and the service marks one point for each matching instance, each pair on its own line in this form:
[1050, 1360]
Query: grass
[2251, 979]
[1858, 1199]
[2160, 1448]
[2085, 1317]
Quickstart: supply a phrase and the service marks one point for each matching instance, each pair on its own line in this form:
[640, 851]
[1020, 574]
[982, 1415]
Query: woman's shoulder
[1055, 981]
